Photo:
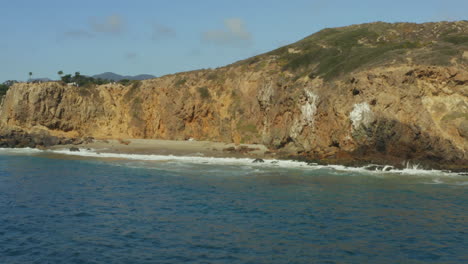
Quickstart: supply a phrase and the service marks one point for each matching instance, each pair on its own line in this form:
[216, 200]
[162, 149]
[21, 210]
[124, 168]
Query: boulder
[463, 129]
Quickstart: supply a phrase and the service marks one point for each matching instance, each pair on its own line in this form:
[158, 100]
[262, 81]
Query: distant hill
[117, 77]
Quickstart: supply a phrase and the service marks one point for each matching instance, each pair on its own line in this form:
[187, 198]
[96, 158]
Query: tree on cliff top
[66, 78]
[5, 86]
[3, 90]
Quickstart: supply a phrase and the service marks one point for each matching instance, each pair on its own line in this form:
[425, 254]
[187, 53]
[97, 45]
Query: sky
[167, 36]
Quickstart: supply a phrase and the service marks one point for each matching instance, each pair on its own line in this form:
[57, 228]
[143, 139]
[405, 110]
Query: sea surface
[62, 207]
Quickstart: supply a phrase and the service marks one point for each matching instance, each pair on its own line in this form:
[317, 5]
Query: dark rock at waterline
[65, 141]
[49, 141]
[20, 139]
[77, 141]
[378, 168]
[258, 161]
[42, 139]
[88, 140]
[74, 149]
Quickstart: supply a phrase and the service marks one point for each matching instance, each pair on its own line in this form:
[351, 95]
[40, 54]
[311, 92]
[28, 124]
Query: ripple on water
[89, 211]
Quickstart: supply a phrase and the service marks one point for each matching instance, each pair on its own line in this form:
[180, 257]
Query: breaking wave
[410, 169]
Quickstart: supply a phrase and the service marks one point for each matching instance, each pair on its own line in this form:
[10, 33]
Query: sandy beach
[173, 147]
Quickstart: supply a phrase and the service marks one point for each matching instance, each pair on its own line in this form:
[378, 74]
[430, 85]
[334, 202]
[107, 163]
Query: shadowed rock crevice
[387, 140]
[384, 140]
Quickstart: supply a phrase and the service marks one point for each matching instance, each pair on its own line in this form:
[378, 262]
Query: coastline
[207, 152]
[209, 149]
[173, 147]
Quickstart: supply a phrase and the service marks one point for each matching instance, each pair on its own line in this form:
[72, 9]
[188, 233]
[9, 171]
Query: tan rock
[395, 109]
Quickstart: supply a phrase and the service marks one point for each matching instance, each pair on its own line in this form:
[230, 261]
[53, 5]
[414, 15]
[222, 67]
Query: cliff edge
[378, 92]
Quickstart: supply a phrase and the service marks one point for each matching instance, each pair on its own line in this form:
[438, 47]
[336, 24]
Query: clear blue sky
[160, 37]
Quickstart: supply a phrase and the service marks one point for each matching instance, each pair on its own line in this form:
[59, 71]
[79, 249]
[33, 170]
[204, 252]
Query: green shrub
[212, 76]
[82, 80]
[136, 84]
[180, 82]
[3, 89]
[204, 92]
[457, 39]
[125, 82]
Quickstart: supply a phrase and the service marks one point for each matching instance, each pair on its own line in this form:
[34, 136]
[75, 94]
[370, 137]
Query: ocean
[64, 207]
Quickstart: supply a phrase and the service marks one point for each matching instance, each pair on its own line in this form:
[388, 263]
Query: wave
[20, 151]
[410, 169]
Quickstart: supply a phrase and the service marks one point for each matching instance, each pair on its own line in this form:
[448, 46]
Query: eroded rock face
[371, 92]
[406, 112]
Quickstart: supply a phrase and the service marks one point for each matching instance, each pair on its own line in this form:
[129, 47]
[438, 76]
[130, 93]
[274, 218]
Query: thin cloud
[113, 24]
[234, 34]
[161, 31]
[77, 34]
[131, 56]
[194, 52]
[74, 35]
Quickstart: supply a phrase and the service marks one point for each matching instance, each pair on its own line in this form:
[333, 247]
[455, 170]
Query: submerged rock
[378, 167]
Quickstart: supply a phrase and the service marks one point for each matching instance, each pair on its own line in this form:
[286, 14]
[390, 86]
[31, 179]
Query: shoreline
[210, 149]
[156, 157]
[207, 152]
[173, 147]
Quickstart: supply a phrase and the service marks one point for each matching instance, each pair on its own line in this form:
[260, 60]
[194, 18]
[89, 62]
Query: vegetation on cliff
[87, 81]
[5, 86]
[334, 52]
[3, 89]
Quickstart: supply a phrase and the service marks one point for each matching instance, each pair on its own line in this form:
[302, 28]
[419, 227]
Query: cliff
[373, 92]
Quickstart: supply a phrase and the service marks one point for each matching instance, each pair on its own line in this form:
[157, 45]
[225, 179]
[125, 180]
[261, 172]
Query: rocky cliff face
[398, 104]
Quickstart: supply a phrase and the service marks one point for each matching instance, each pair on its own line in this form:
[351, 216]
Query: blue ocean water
[65, 209]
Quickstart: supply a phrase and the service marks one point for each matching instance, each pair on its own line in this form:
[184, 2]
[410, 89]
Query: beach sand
[173, 147]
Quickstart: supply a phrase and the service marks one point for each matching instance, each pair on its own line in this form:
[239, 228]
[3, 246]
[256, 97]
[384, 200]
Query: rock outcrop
[398, 105]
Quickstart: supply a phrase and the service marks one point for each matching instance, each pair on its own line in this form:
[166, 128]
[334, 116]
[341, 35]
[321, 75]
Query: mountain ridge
[117, 77]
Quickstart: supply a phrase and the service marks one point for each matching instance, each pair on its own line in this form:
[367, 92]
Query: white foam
[20, 151]
[435, 181]
[414, 170]
[189, 159]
